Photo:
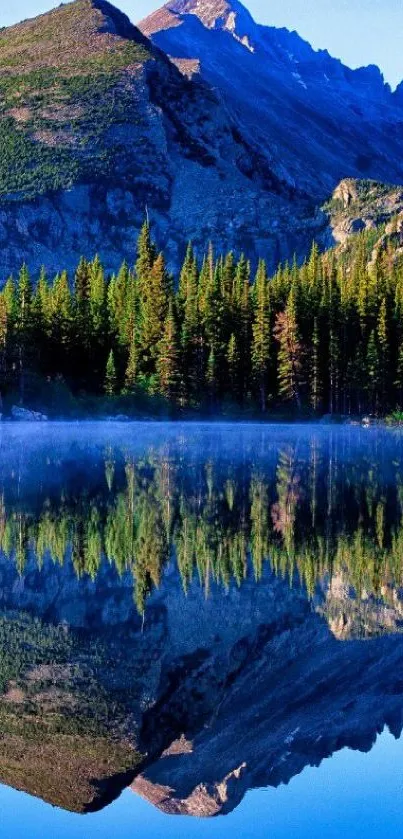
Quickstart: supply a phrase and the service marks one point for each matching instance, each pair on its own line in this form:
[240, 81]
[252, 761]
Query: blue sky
[357, 31]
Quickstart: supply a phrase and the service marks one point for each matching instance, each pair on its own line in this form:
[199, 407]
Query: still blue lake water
[201, 631]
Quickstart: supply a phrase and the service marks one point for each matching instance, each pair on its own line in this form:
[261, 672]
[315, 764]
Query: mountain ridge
[317, 120]
[239, 139]
[228, 14]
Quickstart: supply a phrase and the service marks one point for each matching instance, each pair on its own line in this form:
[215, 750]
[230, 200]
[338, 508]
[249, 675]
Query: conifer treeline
[326, 336]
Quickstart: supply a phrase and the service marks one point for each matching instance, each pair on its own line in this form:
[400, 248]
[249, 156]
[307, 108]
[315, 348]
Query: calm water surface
[201, 631]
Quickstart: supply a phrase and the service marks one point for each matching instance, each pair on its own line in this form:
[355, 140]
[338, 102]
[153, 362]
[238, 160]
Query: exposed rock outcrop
[365, 205]
[27, 415]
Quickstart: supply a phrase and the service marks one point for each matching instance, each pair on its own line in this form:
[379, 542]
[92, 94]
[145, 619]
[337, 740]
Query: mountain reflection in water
[195, 610]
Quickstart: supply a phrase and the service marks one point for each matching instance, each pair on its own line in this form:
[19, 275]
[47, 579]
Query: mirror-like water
[199, 613]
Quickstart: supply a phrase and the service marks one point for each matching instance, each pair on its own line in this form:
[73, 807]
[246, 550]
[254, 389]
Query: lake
[201, 630]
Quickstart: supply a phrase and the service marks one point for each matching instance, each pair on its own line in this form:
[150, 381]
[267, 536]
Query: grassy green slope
[62, 84]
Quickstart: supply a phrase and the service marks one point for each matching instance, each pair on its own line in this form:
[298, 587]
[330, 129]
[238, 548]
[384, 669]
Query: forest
[324, 337]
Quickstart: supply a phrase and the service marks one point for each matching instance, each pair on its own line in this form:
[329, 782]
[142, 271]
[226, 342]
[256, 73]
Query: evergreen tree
[117, 302]
[25, 349]
[228, 278]
[146, 255]
[383, 351]
[214, 317]
[41, 319]
[132, 366]
[261, 334]
[81, 338]
[289, 353]
[96, 298]
[153, 308]
[81, 298]
[234, 361]
[315, 377]
[98, 321]
[192, 338]
[186, 279]
[168, 359]
[3, 348]
[372, 371]
[211, 376]
[61, 324]
[110, 386]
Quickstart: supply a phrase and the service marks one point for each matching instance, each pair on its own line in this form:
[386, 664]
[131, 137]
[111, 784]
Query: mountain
[219, 128]
[314, 120]
[97, 126]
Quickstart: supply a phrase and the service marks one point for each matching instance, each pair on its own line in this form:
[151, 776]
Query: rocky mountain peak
[314, 120]
[213, 13]
[229, 15]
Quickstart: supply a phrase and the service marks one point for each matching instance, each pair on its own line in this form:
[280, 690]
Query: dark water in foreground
[197, 622]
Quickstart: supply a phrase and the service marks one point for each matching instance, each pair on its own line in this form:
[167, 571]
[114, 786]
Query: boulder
[117, 418]
[367, 421]
[26, 415]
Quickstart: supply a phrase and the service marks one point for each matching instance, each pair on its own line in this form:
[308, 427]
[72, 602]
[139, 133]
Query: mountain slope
[58, 77]
[315, 120]
[97, 125]
[238, 140]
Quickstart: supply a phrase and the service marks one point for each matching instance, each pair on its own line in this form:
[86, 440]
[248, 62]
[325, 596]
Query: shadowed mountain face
[195, 612]
[315, 120]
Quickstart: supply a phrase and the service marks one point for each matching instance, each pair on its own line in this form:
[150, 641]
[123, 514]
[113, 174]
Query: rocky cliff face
[315, 120]
[366, 205]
